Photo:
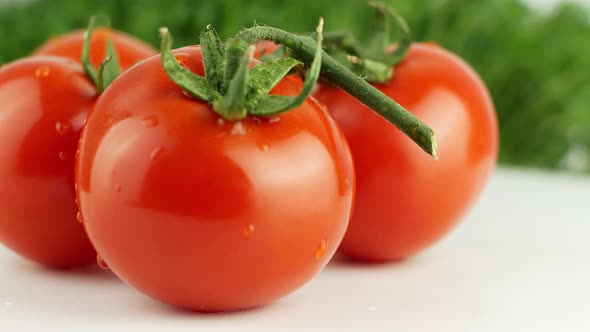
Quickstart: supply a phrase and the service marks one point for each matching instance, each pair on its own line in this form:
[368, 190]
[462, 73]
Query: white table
[519, 262]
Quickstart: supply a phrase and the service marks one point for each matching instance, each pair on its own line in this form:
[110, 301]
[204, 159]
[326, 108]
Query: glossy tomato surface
[204, 213]
[130, 50]
[44, 101]
[405, 199]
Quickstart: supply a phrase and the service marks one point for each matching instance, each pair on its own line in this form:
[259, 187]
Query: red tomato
[44, 100]
[406, 200]
[204, 213]
[129, 49]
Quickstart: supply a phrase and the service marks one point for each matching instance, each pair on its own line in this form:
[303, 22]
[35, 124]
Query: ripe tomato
[204, 213]
[45, 100]
[130, 50]
[405, 200]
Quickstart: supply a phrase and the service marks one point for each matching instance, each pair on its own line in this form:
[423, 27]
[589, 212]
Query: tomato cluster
[211, 214]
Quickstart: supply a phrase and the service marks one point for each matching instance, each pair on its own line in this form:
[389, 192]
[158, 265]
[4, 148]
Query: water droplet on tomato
[248, 230]
[150, 121]
[79, 217]
[220, 122]
[156, 152]
[264, 147]
[42, 71]
[118, 188]
[274, 119]
[321, 250]
[62, 155]
[103, 265]
[62, 128]
[238, 129]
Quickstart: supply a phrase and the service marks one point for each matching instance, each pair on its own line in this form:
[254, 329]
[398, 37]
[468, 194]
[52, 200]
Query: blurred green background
[535, 61]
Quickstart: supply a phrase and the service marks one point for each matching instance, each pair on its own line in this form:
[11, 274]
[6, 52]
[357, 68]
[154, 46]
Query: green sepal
[193, 84]
[213, 51]
[266, 75]
[109, 68]
[232, 105]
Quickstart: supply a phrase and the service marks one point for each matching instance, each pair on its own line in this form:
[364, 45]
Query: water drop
[156, 152]
[238, 129]
[62, 155]
[264, 147]
[103, 265]
[274, 119]
[257, 120]
[62, 128]
[79, 217]
[220, 122]
[42, 71]
[150, 121]
[118, 188]
[248, 230]
[321, 250]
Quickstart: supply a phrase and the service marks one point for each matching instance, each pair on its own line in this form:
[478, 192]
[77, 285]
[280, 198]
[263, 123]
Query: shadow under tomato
[152, 306]
[341, 261]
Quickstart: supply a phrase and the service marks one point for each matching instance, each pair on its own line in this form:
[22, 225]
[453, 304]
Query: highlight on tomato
[45, 100]
[406, 201]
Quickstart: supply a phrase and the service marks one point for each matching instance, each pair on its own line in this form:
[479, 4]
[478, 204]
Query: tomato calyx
[372, 62]
[304, 48]
[109, 68]
[233, 89]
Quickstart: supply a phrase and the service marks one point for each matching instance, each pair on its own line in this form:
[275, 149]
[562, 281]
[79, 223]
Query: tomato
[129, 49]
[406, 200]
[44, 100]
[204, 213]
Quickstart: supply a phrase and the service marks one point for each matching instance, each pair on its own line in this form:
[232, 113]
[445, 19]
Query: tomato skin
[130, 50]
[406, 200]
[45, 101]
[203, 213]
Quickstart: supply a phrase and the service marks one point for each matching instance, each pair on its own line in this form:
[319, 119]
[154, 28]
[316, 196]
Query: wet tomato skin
[129, 49]
[45, 101]
[208, 214]
[405, 200]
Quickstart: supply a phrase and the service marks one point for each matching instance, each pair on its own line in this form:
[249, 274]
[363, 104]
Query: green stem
[304, 49]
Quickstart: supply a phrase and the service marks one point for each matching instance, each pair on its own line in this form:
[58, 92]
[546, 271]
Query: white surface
[519, 262]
